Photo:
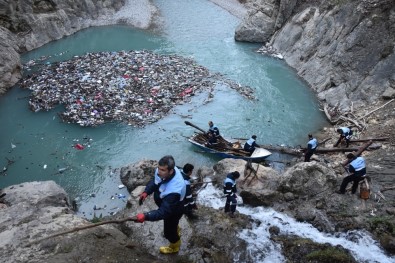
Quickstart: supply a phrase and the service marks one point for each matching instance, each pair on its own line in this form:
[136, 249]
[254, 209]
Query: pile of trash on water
[136, 87]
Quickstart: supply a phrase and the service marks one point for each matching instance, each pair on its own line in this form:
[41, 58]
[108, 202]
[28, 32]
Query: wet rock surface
[136, 87]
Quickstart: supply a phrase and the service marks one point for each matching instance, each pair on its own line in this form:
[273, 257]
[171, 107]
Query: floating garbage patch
[136, 87]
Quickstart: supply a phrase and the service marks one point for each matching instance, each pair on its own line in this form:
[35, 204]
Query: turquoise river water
[38, 146]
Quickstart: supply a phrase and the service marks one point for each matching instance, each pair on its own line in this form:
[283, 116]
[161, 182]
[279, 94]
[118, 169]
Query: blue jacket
[230, 185]
[312, 144]
[358, 166]
[189, 202]
[214, 130]
[250, 144]
[169, 196]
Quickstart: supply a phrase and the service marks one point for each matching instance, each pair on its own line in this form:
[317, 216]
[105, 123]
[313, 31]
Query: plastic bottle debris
[79, 146]
[94, 92]
[121, 196]
[61, 170]
[121, 186]
[45, 166]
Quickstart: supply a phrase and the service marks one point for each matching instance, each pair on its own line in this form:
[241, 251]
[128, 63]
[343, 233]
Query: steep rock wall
[28, 24]
[343, 49]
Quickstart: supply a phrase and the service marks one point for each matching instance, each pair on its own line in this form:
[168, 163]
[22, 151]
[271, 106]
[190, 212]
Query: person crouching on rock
[357, 169]
[169, 190]
[230, 191]
[345, 133]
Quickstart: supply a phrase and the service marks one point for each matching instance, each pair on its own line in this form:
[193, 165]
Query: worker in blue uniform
[345, 133]
[189, 202]
[168, 187]
[311, 147]
[357, 170]
[251, 144]
[230, 191]
[212, 133]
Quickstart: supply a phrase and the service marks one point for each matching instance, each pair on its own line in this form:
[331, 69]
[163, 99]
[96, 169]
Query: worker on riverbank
[345, 133]
[311, 147]
[357, 170]
[213, 133]
[168, 187]
[230, 191]
[251, 144]
[189, 202]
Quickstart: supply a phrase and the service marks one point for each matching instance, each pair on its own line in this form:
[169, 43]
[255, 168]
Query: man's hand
[143, 196]
[139, 218]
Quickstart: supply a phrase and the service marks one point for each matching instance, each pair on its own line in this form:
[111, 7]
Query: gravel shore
[142, 13]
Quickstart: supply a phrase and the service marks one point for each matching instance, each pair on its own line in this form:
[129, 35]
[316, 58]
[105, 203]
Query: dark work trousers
[351, 178]
[231, 203]
[308, 154]
[170, 227]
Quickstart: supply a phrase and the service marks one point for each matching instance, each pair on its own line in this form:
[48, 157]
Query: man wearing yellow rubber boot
[168, 187]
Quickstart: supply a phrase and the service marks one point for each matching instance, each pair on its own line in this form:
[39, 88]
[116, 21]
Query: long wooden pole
[371, 139]
[79, 228]
[194, 126]
[358, 153]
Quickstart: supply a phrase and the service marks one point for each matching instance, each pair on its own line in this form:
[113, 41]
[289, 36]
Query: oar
[194, 126]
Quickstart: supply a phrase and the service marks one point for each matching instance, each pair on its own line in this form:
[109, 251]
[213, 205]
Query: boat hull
[258, 155]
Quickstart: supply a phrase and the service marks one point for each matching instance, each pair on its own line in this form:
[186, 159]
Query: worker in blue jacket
[189, 202]
[311, 147]
[213, 133]
[357, 170]
[230, 191]
[251, 144]
[345, 133]
[168, 187]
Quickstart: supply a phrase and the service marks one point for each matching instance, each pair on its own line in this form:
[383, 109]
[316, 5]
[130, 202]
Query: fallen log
[386, 188]
[371, 139]
[367, 114]
[359, 152]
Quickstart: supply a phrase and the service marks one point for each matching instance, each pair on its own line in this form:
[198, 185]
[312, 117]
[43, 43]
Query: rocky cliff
[28, 24]
[343, 49]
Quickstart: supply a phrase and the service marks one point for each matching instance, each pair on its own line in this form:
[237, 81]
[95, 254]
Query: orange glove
[140, 218]
[143, 196]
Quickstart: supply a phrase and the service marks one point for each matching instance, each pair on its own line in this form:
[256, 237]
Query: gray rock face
[27, 24]
[10, 66]
[344, 51]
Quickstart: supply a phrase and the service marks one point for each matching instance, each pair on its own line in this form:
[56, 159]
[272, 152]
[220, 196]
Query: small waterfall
[262, 249]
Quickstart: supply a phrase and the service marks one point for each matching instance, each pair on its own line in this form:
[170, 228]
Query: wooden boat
[228, 148]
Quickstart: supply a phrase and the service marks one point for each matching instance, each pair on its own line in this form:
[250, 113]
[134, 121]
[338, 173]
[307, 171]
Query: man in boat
[357, 170]
[213, 133]
[230, 191]
[345, 133]
[189, 202]
[168, 187]
[250, 144]
[311, 147]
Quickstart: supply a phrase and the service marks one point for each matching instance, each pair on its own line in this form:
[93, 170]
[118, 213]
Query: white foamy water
[262, 249]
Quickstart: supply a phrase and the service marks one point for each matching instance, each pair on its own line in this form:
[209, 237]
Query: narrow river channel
[39, 145]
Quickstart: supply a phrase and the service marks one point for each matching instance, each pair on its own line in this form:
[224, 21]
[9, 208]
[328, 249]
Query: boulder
[137, 174]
